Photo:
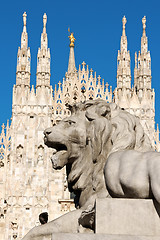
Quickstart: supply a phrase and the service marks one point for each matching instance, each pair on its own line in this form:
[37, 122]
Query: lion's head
[84, 140]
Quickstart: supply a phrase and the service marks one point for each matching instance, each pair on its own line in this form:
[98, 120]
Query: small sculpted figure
[106, 154]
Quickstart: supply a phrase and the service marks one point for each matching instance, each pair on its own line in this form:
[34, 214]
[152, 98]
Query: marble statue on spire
[44, 22]
[124, 21]
[144, 25]
[144, 40]
[24, 21]
[24, 37]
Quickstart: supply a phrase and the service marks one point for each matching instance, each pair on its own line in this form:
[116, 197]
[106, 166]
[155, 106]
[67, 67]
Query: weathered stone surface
[127, 216]
[82, 236]
[42, 238]
[69, 236]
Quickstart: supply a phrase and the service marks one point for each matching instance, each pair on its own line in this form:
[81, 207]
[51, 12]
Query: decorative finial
[144, 25]
[107, 85]
[3, 126]
[124, 21]
[59, 85]
[71, 38]
[44, 22]
[83, 64]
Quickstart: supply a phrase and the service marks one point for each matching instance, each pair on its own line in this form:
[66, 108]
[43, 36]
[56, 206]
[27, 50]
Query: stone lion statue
[106, 154]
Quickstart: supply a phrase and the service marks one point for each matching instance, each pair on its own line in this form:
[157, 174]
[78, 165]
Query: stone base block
[139, 217]
[82, 236]
[48, 237]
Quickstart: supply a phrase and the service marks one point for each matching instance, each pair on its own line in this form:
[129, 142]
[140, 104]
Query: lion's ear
[99, 110]
[105, 111]
[90, 115]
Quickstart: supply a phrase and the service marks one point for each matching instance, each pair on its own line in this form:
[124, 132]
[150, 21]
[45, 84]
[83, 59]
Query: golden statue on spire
[71, 38]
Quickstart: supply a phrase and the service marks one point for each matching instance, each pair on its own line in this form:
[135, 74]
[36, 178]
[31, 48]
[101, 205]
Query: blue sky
[97, 26]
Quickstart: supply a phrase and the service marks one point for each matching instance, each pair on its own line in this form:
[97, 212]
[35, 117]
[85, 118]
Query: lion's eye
[70, 122]
[88, 105]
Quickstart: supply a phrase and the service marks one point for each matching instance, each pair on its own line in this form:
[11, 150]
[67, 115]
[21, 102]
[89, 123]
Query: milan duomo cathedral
[28, 184]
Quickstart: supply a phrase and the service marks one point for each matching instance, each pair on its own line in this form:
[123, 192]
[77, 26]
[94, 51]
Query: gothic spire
[24, 37]
[23, 58]
[123, 59]
[44, 39]
[144, 41]
[43, 58]
[143, 73]
[71, 63]
[123, 37]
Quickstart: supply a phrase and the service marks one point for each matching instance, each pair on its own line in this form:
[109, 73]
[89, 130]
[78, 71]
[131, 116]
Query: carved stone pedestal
[138, 217]
[122, 219]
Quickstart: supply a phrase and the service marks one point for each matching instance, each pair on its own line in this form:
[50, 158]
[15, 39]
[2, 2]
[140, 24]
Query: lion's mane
[112, 129]
[106, 129]
[127, 131]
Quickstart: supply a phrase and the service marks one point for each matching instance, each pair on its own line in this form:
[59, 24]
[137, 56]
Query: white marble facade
[28, 183]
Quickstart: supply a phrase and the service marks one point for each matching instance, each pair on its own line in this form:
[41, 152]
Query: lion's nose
[47, 131]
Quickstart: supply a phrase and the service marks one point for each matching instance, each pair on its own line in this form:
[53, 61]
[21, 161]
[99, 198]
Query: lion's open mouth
[60, 155]
[59, 146]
